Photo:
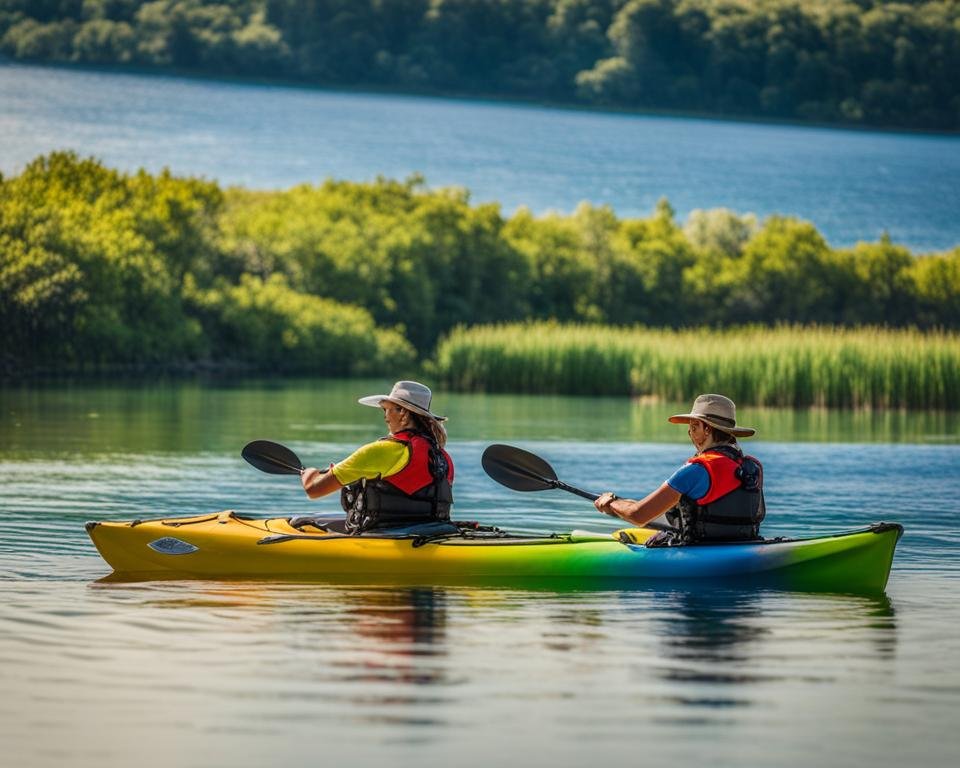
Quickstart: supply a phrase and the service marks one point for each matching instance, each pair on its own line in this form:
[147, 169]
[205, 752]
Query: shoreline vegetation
[853, 63]
[135, 272]
[794, 367]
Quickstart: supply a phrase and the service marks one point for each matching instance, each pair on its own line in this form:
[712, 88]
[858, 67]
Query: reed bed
[784, 366]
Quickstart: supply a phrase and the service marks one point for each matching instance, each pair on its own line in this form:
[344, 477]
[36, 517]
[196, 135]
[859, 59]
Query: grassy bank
[786, 366]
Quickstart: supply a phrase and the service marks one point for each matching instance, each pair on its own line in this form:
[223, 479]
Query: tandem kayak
[226, 544]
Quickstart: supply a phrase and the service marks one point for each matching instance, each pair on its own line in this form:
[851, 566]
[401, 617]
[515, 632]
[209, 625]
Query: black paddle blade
[518, 469]
[271, 457]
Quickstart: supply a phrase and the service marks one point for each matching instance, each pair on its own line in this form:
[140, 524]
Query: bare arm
[639, 512]
[319, 483]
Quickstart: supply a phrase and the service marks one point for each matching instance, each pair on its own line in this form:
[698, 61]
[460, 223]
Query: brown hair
[430, 427]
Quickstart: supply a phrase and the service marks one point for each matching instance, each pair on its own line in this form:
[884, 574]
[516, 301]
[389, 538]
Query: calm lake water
[853, 185]
[209, 673]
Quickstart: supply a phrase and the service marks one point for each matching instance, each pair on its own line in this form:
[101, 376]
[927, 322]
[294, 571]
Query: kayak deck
[228, 545]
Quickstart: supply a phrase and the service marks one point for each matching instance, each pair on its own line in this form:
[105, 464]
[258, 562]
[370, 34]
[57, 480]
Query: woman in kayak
[717, 495]
[401, 480]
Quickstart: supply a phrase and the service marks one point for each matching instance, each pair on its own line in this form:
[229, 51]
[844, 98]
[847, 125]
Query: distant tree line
[862, 62]
[101, 268]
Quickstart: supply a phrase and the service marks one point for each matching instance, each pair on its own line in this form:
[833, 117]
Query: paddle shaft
[594, 496]
[577, 491]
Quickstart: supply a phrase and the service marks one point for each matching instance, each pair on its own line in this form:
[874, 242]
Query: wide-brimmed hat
[412, 395]
[717, 411]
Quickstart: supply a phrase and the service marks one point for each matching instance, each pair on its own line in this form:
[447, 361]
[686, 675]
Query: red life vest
[416, 474]
[722, 471]
[419, 493]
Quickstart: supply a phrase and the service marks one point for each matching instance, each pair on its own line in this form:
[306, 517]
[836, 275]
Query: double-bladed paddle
[273, 458]
[521, 470]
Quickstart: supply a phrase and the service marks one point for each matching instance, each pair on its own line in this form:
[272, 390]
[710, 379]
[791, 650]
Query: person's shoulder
[385, 445]
[381, 457]
[377, 450]
[690, 467]
[689, 477]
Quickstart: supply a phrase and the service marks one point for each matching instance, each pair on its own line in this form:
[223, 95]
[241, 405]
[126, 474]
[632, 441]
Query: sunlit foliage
[100, 268]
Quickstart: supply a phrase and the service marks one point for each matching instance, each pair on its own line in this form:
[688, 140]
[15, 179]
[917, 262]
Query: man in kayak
[399, 481]
[717, 495]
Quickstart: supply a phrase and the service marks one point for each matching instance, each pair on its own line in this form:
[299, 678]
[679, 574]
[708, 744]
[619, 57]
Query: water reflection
[377, 666]
[389, 634]
[726, 639]
[176, 415]
[713, 627]
[404, 626]
[374, 643]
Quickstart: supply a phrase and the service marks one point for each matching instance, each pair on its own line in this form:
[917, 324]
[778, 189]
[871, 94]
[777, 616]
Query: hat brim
[375, 400]
[686, 418]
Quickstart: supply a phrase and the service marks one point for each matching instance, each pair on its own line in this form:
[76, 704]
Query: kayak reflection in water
[401, 481]
[717, 495]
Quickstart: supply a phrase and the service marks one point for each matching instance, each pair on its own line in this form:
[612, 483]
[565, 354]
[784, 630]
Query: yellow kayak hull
[226, 545]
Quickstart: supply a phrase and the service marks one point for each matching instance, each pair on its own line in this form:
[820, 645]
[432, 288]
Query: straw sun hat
[717, 411]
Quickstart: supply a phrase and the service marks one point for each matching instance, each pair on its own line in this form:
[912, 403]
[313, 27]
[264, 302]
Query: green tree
[269, 325]
[418, 259]
[560, 274]
[874, 285]
[105, 41]
[41, 295]
[78, 250]
[783, 273]
[937, 280]
[719, 232]
[654, 253]
[30, 39]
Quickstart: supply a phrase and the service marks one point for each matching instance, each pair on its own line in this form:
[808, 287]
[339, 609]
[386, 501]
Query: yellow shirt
[380, 459]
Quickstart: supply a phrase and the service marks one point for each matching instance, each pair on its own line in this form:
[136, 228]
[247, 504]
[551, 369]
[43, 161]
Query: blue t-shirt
[690, 480]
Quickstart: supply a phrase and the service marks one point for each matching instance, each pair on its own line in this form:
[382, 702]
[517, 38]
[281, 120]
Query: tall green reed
[783, 366]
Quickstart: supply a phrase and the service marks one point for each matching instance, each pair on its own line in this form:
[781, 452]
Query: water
[210, 673]
[853, 185]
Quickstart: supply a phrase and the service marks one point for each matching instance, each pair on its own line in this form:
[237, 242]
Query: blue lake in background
[853, 185]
